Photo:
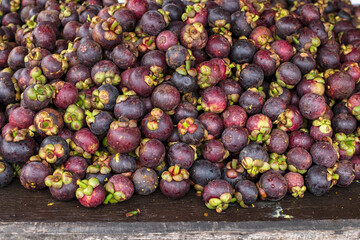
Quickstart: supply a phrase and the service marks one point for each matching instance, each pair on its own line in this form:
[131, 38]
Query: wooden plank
[22, 212]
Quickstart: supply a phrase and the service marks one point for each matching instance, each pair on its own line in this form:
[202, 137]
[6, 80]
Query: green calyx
[86, 187]
[15, 134]
[74, 117]
[331, 176]
[275, 89]
[278, 162]
[108, 77]
[84, 101]
[46, 123]
[2, 167]
[254, 167]
[261, 135]
[282, 82]
[346, 143]
[40, 92]
[59, 178]
[221, 203]
[37, 76]
[51, 153]
[298, 192]
[113, 196]
[175, 173]
[98, 167]
[323, 124]
[90, 116]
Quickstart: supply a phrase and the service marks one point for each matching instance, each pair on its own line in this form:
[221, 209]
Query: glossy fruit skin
[299, 158]
[89, 52]
[123, 57]
[316, 180]
[181, 154]
[274, 185]
[32, 175]
[66, 95]
[235, 138]
[251, 76]
[67, 191]
[273, 107]
[165, 97]
[165, 40]
[151, 153]
[122, 184]
[130, 136]
[101, 123]
[184, 110]
[214, 99]
[344, 123]
[242, 51]
[137, 81]
[153, 22]
[163, 122]
[174, 189]
[85, 139]
[268, 61]
[22, 117]
[218, 46]
[18, 152]
[234, 116]
[95, 199]
[184, 83]
[288, 75]
[283, 49]
[251, 101]
[145, 181]
[7, 174]
[203, 171]
[176, 56]
[312, 106]
[214, 151]
[212, 123]
[346, 173]
[77, 164]
[132, 108]
[254, 151]
[324, 154]
[304, 61]
[300, 139]
[193, 137]
[105, 97]
[328, 59]
[215, 189]
[278, 141]
[248, 191]
[339, 86]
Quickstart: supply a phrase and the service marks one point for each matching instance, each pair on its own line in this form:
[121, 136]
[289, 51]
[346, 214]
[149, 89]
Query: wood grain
[21, 205]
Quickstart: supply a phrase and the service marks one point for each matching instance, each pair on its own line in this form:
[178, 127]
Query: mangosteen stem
[234, 164]
[108, 198]
[176, 169]
[114, 25]
[81, 184]
[133, 213]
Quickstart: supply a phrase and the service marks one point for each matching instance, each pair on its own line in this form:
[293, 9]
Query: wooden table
[23, 213]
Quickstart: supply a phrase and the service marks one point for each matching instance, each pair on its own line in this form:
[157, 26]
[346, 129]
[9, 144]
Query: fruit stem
[176, 169]
[81, 184]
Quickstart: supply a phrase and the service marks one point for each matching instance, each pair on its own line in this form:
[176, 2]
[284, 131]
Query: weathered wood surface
[23, 213]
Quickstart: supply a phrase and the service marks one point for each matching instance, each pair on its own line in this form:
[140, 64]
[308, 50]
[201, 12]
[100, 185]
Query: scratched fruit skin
[32, 175]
